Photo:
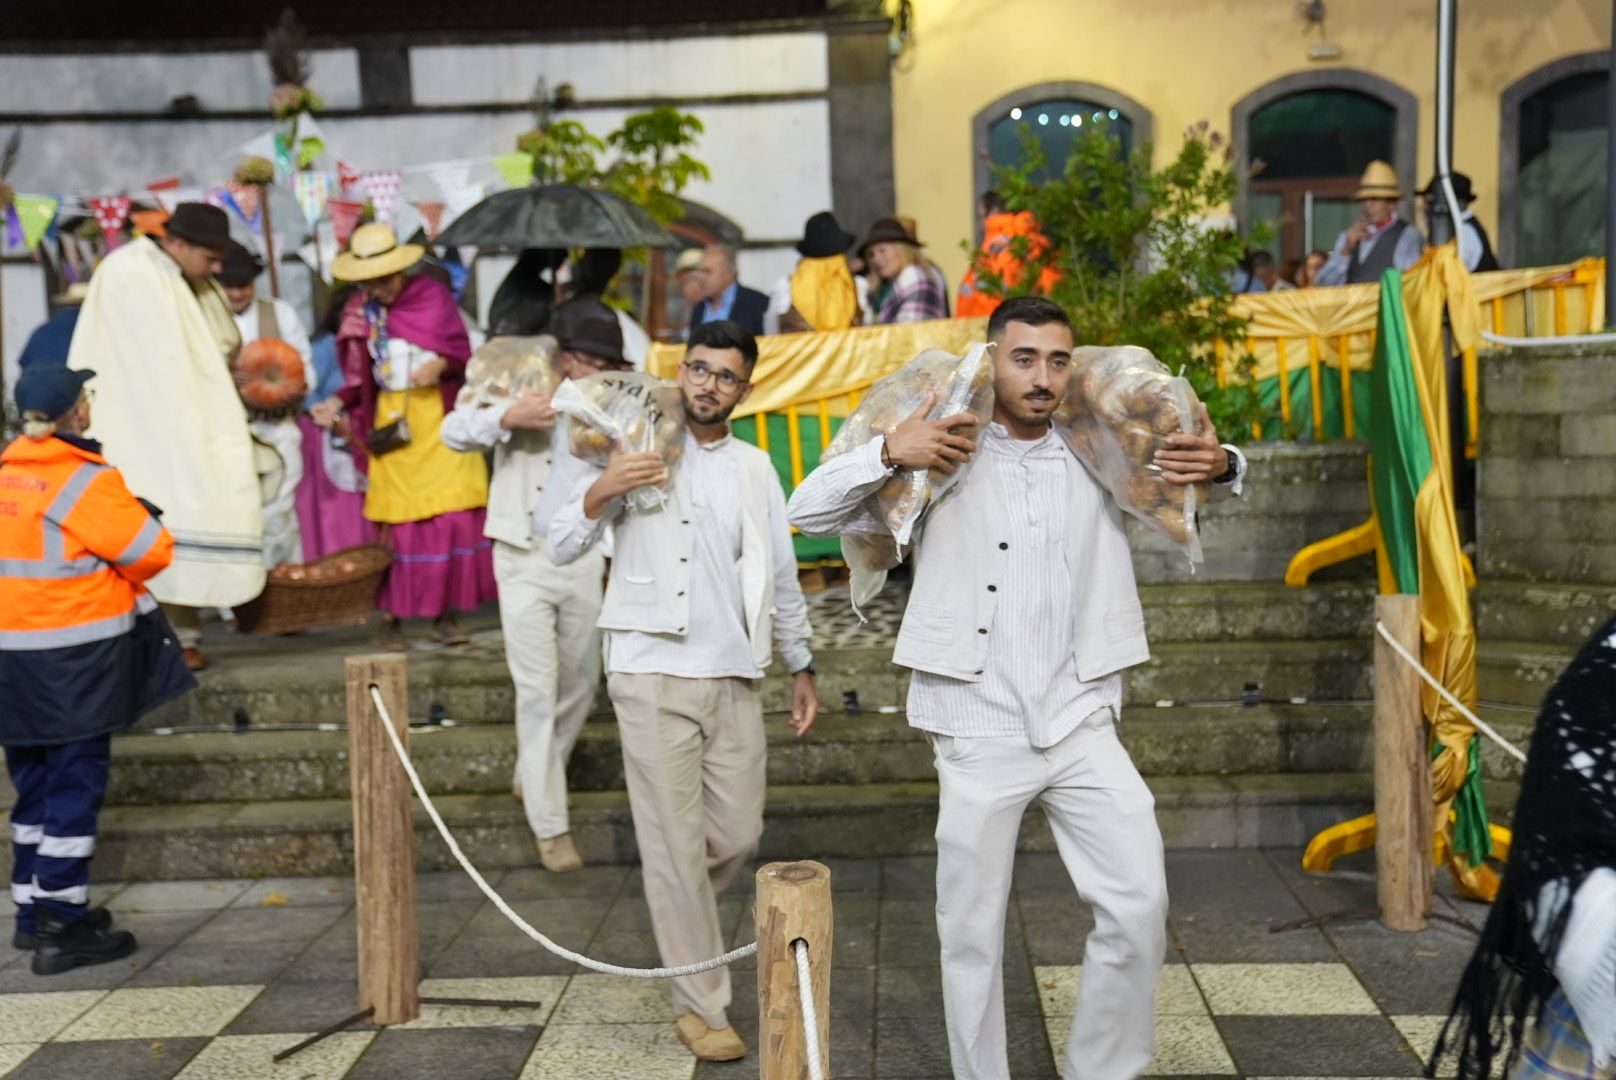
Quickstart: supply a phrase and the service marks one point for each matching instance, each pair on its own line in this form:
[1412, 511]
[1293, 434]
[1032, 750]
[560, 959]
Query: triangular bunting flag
[111, 211]
[167, 183]
[312, 190]
[243, 199]
[34, 214]
[347, 177]
[516, 168]
[431, 216]
[344, 218]
[458, 190]
[148, 222]
[382, 187]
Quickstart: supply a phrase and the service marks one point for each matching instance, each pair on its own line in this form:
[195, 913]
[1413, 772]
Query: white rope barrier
[505, 909]
[1482, 726]
[810, 1019]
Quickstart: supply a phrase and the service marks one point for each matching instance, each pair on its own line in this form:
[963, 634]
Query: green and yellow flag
[1411, 480]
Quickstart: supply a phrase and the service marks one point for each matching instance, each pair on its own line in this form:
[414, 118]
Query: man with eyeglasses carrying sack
[696, 590]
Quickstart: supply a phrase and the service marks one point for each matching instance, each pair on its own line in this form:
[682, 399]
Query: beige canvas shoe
[707, 1044]
[558, 855]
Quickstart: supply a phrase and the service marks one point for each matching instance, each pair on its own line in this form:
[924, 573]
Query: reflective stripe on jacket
[75, 546]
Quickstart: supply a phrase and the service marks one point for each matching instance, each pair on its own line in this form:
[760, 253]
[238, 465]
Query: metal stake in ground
[384, 842]
[793, 904]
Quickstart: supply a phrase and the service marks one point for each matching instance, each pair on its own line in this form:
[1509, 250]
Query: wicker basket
[338, 590]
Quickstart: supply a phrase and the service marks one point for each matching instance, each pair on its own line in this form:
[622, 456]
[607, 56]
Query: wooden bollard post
[793, 901]
[1403, 811]
[384, 843]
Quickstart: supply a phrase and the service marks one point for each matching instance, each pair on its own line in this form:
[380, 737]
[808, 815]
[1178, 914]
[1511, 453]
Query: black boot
[96, 919]
[62, 946]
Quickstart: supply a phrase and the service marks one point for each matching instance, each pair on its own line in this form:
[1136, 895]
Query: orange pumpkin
[269, 373]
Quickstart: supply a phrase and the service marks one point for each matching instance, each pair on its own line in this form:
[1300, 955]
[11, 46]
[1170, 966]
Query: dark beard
[1027, 419]
[696, 411]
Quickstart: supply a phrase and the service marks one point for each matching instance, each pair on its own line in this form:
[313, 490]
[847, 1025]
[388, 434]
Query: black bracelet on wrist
[1231, 472]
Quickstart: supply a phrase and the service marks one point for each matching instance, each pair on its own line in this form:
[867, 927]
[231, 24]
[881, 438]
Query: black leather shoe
[62, 946]
[96, 919]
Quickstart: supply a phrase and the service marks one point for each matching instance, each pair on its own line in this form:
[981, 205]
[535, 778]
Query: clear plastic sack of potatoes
[960, 384]
[505, 368]
[631, 409]
[1121, 405]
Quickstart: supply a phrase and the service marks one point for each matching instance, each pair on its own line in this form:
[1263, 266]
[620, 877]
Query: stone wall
[1547, 474]
[1297, 493]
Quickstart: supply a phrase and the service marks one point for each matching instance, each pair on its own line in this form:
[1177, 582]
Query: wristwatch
[808, 670]
[1231, 472]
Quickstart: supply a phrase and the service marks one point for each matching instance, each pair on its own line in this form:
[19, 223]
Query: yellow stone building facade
[1529, 91]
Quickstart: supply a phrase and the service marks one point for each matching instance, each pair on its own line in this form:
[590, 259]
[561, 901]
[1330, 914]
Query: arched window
[1552, 172]
[1313, 132]
[1055, 113]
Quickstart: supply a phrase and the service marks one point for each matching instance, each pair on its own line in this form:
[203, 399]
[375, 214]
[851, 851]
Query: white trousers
[1104, 821]
[283, 541]
[552, 648]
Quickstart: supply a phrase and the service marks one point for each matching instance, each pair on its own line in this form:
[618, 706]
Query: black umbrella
[555, 216]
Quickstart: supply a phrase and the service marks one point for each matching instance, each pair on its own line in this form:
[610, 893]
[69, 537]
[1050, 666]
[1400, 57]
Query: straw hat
[688, 260]
[374, 252]
[1379, 181]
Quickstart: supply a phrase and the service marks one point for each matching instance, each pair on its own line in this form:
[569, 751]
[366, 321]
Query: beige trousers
[548, 614]
[693, 751]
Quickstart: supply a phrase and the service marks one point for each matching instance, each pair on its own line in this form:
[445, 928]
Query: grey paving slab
[131, 1059]
[297, 1005]
[914, 876]
[462, 1053]
[854, 875]
[852, 1047]
[18, 978]
[297, 892]
[193, 963]
[265, 925]
[537, 883]
[1349, 885]
[1054, 926]
[1406, 974]
[911, 1046]
[570, 922]
[1317, 1046]
[1223, 906]
[178, 895]
[469, 958]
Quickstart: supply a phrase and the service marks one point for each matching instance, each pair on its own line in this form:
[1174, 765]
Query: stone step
[314, 837]
[1564, 615]
[478, 759]
[475, 689]
[1519, 672]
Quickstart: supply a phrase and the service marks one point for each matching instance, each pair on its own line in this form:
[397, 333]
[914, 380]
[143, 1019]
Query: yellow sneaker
[707, 1044]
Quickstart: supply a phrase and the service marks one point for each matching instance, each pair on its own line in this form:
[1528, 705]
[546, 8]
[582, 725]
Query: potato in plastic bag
[1120, 406]
[641, 411]
[509, 367]
[961, 384]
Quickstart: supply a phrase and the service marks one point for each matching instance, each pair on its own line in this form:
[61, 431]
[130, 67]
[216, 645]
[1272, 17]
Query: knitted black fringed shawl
[1565, 828]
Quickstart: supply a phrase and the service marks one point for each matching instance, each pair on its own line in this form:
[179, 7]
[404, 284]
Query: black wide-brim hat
[1461, 188]
[238, 266]
[888, 230]
[202, 224]
[824, 236]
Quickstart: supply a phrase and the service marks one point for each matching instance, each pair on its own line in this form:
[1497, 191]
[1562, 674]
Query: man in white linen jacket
[547, 611]
[694, 590]
[1022, 615]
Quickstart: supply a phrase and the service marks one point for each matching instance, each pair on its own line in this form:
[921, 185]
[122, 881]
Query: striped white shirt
[1030, 684]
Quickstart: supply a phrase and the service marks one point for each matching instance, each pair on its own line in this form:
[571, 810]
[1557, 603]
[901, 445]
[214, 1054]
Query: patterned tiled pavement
[230, 972]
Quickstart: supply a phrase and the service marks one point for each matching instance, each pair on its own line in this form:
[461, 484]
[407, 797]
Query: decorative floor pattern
[1350, 999]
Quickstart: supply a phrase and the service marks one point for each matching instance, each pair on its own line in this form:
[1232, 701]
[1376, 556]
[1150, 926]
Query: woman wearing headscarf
[820, 294]
[1539, 994]
[403, 350]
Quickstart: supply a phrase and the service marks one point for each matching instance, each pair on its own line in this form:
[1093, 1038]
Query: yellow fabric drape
[1330, 313]
[1439, 285]
[823, 293]
[795, 369]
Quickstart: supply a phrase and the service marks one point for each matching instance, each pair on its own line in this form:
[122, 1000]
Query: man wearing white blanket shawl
[159, 334]
[1022, 615]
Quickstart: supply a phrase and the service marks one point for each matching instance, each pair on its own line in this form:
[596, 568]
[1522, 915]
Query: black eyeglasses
[700, 373]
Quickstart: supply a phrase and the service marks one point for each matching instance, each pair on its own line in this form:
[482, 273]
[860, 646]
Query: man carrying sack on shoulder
[1021, 618]
[698, 591]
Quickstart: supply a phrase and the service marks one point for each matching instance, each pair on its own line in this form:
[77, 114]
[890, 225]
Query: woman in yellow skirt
[403, 351]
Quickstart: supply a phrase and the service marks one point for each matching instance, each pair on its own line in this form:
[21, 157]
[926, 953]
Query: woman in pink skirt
[403, 351]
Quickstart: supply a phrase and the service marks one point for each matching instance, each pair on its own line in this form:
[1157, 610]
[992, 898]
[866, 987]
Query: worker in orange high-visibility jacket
[1000, 229]
[83, 651]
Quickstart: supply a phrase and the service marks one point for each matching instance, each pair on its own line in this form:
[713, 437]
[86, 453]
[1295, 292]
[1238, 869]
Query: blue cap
[51, 389]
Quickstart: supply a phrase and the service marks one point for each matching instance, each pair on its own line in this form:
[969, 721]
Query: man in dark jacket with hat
[821, 293]
[83, 651]
[1475, 249]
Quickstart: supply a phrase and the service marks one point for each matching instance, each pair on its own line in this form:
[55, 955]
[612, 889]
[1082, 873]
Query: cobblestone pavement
[230, 972]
